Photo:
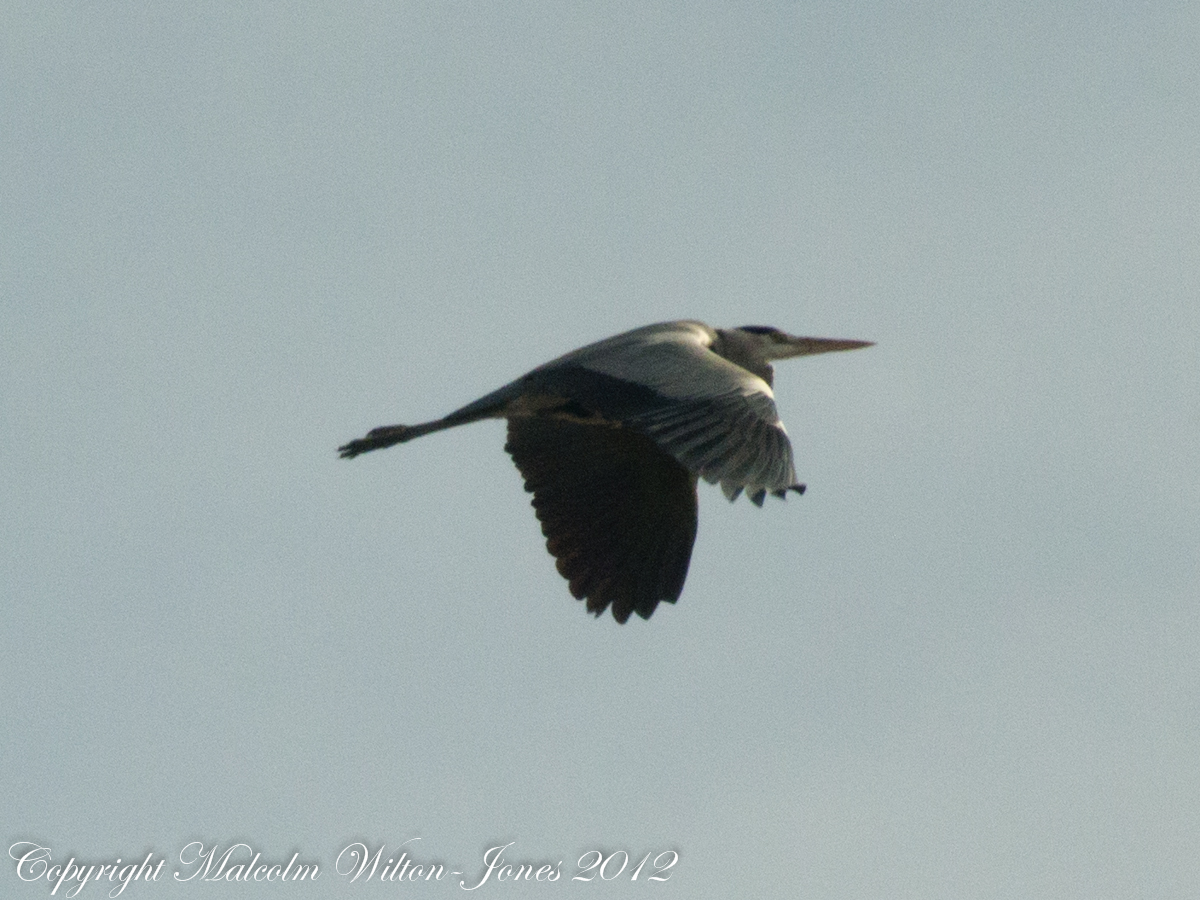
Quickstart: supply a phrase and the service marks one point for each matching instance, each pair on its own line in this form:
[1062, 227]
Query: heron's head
[767, 343]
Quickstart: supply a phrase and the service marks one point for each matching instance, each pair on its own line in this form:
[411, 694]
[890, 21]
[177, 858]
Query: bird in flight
[612, 438]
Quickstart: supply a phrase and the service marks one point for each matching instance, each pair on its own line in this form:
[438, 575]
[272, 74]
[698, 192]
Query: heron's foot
[376, 439]
[352, 449]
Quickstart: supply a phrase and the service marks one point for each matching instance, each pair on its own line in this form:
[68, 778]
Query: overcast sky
[234, 236]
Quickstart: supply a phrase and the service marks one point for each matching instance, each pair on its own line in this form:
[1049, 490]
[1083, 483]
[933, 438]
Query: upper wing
[734, 439]
[716, 418]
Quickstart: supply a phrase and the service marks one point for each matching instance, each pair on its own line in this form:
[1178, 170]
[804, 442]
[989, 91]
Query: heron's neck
[739, 350]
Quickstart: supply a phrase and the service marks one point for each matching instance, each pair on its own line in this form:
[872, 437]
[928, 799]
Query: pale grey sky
[963, 665]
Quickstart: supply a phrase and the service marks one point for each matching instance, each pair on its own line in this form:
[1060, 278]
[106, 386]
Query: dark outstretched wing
[618, 513]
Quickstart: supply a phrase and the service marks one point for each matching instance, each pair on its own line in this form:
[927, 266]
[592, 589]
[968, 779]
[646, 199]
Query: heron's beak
[806, 346]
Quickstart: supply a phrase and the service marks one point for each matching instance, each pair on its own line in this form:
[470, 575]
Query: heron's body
[611, 440]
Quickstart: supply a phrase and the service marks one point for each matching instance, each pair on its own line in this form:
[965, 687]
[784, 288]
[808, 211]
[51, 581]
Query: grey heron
[612, 438]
